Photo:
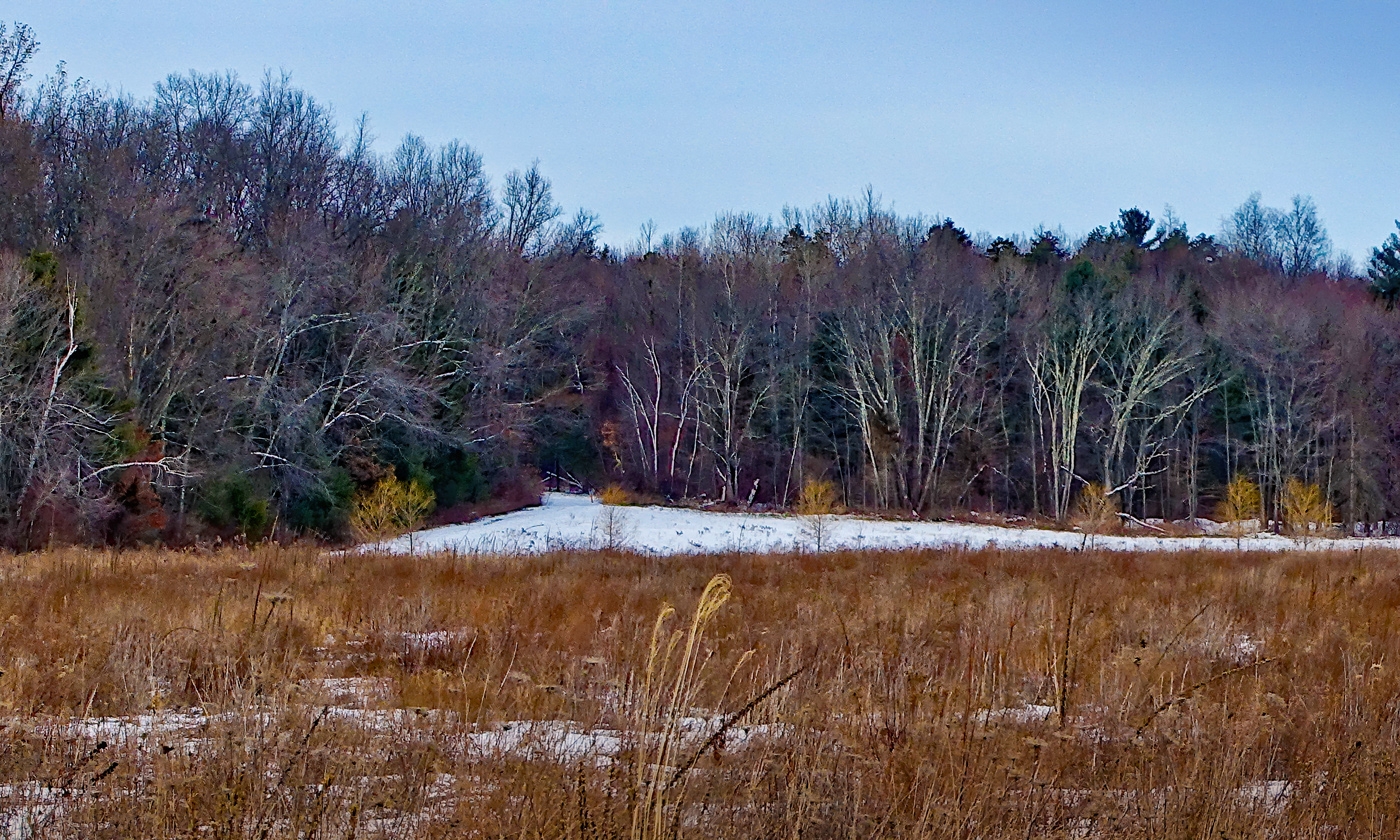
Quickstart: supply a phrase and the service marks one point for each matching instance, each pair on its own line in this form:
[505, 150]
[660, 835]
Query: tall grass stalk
[669, 690]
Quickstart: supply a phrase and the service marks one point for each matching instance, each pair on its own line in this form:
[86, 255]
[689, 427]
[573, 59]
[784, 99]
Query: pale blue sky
[1002, 115]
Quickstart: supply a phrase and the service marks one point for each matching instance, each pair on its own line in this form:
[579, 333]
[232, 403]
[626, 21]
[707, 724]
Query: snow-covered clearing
[570, 522]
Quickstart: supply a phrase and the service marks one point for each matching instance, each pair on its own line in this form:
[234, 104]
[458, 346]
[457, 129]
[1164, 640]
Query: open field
[296, 693]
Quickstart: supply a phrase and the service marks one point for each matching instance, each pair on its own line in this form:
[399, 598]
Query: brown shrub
[614, 494]
[1096, 510]
[816, 505]
[390, 508]
[1306, 510]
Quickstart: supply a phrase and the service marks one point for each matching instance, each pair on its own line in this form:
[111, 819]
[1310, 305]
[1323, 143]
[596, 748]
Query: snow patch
[566, 742]
[1029, 713]
[567, 521]
[119, 729]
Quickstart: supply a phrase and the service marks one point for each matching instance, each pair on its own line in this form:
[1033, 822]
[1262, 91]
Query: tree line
[221, 316]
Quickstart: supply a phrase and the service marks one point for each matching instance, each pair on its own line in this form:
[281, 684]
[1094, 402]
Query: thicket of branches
[221, 315]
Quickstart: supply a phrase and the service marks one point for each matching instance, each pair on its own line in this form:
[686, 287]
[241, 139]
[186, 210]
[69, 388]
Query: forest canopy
[220, 315]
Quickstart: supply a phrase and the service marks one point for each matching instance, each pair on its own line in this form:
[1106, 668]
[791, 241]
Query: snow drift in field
[571, 522]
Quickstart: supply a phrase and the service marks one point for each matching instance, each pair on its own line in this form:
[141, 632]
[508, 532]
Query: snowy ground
[566, 522]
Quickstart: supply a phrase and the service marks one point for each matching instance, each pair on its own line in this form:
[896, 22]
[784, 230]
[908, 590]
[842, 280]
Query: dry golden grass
[938, 694]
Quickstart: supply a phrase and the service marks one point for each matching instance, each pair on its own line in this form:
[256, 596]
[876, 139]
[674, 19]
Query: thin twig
[1188, 693]
[729, 723]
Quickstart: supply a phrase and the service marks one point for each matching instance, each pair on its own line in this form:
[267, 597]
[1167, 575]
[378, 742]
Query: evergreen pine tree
[1385, 270]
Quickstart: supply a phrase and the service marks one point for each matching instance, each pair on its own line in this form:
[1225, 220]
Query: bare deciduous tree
[17, 47]
[1061, 366]
[1146, 376]
[529, 206]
